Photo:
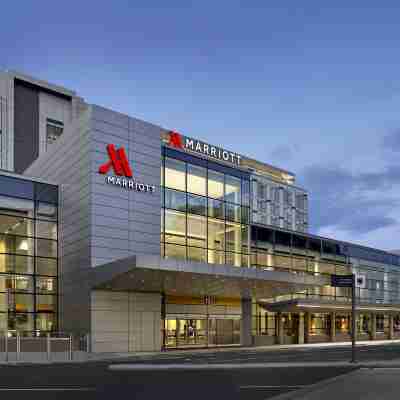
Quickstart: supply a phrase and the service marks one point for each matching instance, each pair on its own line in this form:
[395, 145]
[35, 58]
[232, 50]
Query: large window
[28, 255]
[205, 213]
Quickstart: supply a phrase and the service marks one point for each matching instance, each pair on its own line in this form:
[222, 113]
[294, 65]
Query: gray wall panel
[102, 222]
[109, 116]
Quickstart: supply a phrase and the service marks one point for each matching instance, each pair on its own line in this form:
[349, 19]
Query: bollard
[6, 345]
[70, 347]
[18, 346]
[48, 350]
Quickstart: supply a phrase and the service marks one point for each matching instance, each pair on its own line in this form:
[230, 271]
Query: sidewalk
[79, 356]
[366, 384]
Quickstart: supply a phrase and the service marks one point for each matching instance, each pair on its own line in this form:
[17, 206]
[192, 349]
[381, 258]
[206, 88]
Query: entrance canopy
[184, 278]
[320, 306]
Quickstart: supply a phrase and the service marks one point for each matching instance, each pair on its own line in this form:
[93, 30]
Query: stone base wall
[125, 322]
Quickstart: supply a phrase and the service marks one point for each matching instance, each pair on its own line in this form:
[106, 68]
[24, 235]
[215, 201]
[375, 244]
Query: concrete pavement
[365, 384]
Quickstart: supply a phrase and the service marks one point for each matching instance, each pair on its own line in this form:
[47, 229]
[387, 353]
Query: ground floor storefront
[134, 321]
[302, 321]
[201, 322]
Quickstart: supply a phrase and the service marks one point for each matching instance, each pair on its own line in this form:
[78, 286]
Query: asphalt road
[327, 354]
[94, 380]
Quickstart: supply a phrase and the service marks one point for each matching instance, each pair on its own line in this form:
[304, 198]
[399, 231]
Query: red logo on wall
[118, 161]
[175, 140]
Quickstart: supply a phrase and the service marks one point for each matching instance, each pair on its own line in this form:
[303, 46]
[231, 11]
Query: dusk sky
[311, 88]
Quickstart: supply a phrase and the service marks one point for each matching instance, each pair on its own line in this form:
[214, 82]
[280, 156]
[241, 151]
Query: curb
[241, 366]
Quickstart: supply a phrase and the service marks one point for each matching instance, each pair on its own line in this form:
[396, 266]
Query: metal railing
[18, 343]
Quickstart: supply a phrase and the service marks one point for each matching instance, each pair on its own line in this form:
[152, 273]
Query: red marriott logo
[118, 161]
[175, 140]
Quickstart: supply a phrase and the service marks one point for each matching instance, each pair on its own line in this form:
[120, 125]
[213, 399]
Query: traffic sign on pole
[350, 282]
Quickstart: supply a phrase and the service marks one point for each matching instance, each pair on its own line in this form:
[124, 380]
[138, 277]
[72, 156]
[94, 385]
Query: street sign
[349, 281]
[342, 280]
[361, 281]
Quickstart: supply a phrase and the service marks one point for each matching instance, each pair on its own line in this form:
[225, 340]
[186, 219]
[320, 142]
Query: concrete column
[163, 320]
[391, 326]
[246, 338]
[279, 325]
[307, 327]
[178, 326]
[301, 328]
[333, 327]
[373, 326]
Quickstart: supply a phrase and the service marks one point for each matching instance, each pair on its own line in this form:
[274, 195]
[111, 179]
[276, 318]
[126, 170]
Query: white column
[333, 326]
[301, 328]
[390, 336]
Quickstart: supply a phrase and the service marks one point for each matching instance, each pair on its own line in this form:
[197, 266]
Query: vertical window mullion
[206, 244]
[163, 201]
[186, 212]
[34, 256]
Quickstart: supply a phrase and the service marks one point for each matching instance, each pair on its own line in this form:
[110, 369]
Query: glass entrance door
[185, 333]
[191, 333]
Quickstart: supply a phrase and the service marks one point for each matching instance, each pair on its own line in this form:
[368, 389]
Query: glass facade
[300, 254]
[215, 214]
[205, 211]
[279, 205]
[28, 255]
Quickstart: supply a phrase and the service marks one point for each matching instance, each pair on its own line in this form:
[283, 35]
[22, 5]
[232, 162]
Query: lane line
[45, 389]
[273, 387]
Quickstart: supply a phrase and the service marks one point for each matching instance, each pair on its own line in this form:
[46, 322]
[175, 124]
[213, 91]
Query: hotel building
[148, 239]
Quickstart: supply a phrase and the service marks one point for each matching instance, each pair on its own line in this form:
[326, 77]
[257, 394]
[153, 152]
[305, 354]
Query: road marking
[272, 386]
[44, 389]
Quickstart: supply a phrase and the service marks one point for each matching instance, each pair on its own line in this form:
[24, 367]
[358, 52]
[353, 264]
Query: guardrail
[48, 343]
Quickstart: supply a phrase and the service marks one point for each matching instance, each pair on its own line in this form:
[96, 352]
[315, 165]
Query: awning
[184, 278]
[321, 306]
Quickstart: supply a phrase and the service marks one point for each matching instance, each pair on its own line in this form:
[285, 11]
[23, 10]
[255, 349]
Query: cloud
[391, 142]
[284, 152]
[357, 203]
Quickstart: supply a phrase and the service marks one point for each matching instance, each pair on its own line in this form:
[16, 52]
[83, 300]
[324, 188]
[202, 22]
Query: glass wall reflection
[28, 255]
[205, 214]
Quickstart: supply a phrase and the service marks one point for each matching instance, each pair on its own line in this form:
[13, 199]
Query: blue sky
[311, 88]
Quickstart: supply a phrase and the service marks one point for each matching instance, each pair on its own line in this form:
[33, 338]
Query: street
[95, 379]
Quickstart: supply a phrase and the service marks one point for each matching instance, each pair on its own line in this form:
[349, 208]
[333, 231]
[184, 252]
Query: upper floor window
[175, 174]
[54, 130]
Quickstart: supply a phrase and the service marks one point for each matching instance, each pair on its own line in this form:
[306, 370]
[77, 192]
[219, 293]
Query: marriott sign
[186, 143]
[118, 162]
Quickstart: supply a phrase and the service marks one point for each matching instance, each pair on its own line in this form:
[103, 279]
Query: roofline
[41, 83]
[323, 238]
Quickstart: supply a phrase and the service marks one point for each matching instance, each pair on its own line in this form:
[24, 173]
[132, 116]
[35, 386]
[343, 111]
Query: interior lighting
[23, 245]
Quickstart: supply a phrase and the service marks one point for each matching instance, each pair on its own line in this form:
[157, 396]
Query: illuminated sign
[118, 161]
[182, 142]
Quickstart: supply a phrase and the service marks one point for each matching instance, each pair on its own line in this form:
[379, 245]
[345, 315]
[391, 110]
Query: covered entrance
[316, 321]
[206, 321]
[149, 303]
[200, 332]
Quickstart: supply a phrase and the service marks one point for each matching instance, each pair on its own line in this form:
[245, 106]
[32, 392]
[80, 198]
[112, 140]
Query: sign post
[353, 320]
[349, 281]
